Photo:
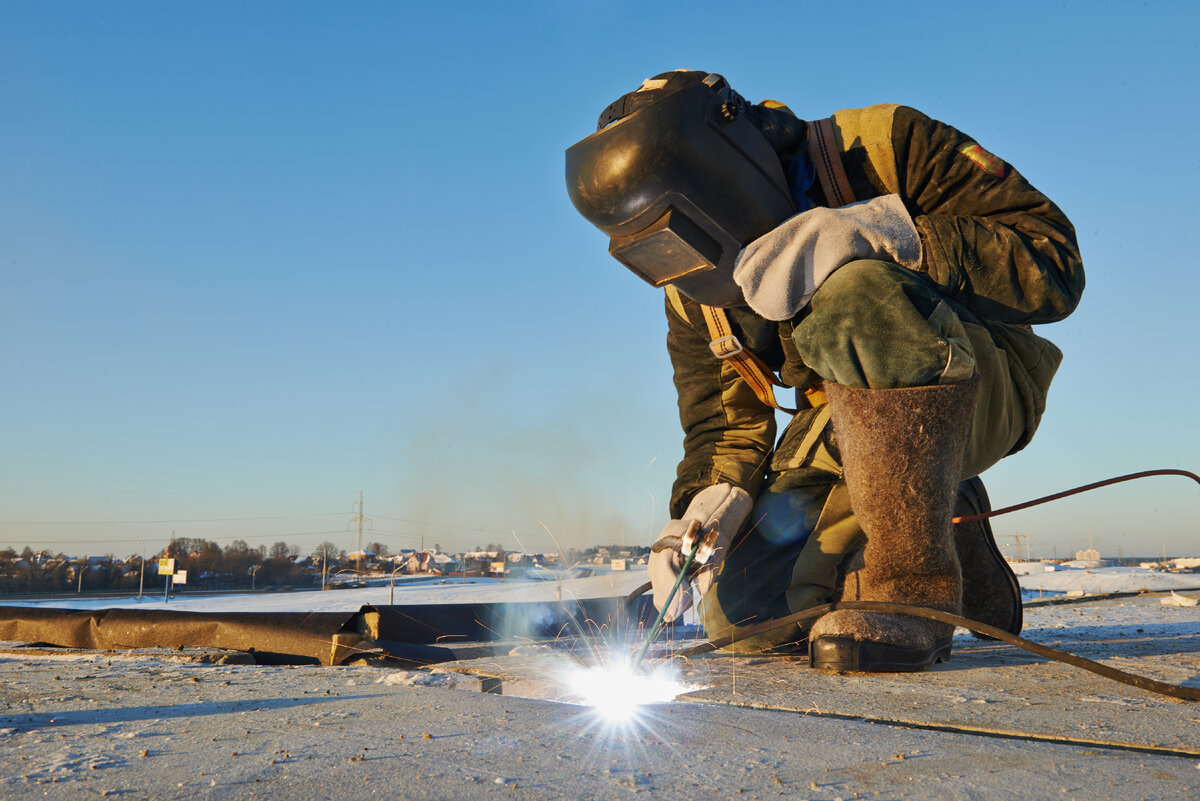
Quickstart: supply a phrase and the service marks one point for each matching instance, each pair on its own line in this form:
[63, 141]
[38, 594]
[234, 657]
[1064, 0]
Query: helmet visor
[670, 248]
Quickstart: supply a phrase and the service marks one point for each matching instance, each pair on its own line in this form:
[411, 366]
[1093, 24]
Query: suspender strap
[822, 149]
[726, 346]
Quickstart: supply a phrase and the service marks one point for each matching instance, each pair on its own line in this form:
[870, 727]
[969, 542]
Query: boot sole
[865, 656]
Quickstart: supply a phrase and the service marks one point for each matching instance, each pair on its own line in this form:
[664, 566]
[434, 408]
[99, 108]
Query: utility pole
[358, 519]
[142, 572]
[1017, 537]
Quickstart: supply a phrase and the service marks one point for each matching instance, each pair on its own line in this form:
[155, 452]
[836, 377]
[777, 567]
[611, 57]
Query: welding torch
[693, 530]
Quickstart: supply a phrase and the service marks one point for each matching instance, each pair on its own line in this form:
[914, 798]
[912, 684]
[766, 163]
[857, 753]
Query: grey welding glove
[780, 271]
[721, 511]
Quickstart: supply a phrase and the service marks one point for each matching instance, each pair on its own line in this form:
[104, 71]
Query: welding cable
[1151, 685]
[638, 593]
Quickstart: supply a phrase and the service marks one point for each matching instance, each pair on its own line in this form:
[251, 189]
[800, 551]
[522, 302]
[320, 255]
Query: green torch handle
[666, 605]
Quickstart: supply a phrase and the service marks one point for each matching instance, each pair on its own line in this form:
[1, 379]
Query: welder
[888, 268]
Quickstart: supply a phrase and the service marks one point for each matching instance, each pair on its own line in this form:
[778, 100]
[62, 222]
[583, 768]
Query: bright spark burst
[617, 693]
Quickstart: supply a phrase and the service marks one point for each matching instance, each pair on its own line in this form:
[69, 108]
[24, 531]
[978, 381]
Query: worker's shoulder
[863, 126]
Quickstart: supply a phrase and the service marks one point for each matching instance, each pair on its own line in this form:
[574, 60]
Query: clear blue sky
[258, 257]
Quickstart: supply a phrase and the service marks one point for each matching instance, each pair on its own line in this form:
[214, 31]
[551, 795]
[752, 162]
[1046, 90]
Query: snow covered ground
[1008, 727]
[1098, 580]
[992, 723]
[438, 591]
[1036, 582]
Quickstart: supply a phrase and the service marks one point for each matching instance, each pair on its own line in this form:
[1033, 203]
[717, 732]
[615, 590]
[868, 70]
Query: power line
[202, 519]
[446, 525]
[165, 538]
[172, 521]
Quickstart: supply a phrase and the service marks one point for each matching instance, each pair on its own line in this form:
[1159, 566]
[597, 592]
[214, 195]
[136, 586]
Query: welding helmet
[681, 179]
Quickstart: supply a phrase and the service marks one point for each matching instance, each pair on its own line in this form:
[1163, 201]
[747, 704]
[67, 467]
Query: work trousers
[875, 325]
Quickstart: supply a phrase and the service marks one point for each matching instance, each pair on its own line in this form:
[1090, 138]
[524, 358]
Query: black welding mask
[681, 179]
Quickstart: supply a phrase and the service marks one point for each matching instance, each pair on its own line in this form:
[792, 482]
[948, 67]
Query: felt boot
[902, 452]
[991, 593]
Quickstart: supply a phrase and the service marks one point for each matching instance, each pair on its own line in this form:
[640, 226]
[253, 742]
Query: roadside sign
[618, 564]
[180, 577]
[166, 567]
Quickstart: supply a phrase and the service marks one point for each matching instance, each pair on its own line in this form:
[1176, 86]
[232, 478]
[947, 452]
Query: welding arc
[1151, 685]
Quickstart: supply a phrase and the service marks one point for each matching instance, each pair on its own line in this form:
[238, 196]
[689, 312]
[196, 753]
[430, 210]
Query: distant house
[419, 562]
[431, 562]
[445, 563]
[478, 561]
[526, 560]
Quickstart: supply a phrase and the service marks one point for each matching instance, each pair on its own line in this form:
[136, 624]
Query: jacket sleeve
[728, 431]
[989, 239]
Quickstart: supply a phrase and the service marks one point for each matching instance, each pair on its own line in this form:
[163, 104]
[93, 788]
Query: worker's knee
[868, 326]
[861, 282]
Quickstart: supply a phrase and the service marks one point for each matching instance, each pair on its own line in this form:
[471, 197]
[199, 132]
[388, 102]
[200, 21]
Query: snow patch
[1175, 599]
[1097, 580]
[421, 678]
